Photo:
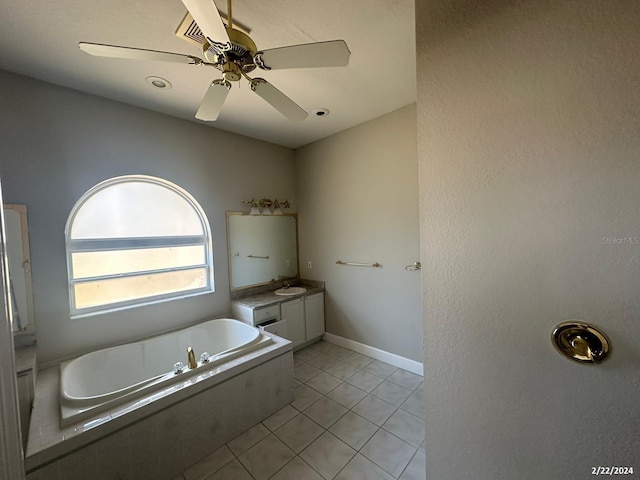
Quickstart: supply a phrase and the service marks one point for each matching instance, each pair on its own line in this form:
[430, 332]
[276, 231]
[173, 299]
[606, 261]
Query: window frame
[132, 243]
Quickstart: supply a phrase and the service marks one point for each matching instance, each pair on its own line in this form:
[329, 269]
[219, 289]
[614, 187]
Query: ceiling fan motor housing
[241, 55]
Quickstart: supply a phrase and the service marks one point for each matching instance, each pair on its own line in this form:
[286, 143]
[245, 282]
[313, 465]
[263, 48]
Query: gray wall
[528, 147]
[56, 143]
[358, 197]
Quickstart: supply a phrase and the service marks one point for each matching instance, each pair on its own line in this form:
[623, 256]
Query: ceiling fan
[235, 54]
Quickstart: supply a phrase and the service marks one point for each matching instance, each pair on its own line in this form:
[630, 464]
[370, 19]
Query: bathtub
[101, 380]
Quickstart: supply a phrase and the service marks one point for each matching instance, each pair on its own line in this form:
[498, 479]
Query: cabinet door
[314, 315]
[293, 312]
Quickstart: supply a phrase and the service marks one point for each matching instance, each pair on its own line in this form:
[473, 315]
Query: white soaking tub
[100, 380]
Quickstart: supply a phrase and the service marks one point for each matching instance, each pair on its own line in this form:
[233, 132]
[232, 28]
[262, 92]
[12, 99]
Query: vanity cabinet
[293, 312]
[305, 318]
[314, 315]
[299, 319]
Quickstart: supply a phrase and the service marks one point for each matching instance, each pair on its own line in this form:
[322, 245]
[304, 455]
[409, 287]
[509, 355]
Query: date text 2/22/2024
[612, 470]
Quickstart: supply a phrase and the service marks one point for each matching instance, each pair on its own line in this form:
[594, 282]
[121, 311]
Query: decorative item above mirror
[262, 249]
[20, 289]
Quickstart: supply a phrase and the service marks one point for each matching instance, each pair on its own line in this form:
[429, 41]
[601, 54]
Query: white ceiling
[40, 38]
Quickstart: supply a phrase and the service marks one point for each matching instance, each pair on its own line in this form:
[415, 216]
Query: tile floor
[353, 418]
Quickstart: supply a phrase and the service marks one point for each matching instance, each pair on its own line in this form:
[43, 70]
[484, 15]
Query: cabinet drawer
[277, 328]
[266, 313]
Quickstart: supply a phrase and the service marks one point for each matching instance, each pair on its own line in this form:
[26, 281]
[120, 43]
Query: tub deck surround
[100, 380]
[235, 394]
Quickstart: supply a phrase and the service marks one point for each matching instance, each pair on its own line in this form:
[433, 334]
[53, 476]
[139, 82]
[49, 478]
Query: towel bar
[354, 264]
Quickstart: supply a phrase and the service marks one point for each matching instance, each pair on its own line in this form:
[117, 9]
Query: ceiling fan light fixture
[231, 72]
[234, 53]
[158, 82]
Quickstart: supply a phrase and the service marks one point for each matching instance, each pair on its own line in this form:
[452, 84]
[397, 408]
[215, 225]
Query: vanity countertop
[266, 299]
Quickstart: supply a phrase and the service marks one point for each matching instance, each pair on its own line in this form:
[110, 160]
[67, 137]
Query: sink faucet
[191, 356]
[286, 285]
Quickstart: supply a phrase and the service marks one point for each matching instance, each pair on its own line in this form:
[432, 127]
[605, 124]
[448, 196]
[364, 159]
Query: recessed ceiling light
[320, 112]
[159, 82]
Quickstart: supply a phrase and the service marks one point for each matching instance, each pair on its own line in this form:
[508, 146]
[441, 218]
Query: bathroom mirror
[262, 248]
[20, 289]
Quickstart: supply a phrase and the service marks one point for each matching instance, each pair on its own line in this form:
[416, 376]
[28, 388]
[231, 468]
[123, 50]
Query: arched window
[136, 240]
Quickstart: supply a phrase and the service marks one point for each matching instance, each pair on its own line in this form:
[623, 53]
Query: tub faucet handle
[178, 367]
[191, 356]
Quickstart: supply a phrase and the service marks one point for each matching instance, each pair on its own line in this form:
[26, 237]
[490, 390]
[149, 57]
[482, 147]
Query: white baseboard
[373, 352]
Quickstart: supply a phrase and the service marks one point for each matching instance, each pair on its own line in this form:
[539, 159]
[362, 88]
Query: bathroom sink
[290, 291]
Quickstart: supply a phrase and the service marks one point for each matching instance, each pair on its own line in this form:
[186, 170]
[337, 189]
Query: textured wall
[528, 146]
[56, 143]
[357, 193]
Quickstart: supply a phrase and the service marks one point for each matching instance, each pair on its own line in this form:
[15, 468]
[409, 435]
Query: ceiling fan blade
[206, 15]
[278, 100]
[135, 53]
[213, 100]
[309, 55]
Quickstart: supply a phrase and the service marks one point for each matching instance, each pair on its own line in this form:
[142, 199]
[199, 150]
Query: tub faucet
[191, 356]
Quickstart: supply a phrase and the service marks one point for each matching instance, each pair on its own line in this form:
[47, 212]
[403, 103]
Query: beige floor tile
[339, 353]
[325, 412]
[324, 383]
[347, 395]
[321, 346]
[323, 362]
[245, 440]
[374, 409]
[353, 430]
[358, 360]
[232, 471]
[388, 452]
[305, 397]
[408, 427]
[279, 418]
[417, 468]
[328, 455]
[266, 457]
[414, 404]
[209, 465]
[361, 468]
[305, 354]
[406, 379]
[342, 370]
[380, 369]
[365, 381]
[391, 393]
[297, 469]
[299, 432]
[305, 371]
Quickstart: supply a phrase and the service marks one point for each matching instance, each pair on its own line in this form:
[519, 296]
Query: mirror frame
[25, 262]
[229, 253]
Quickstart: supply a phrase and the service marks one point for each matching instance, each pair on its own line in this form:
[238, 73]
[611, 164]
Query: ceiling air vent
[189, 30]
